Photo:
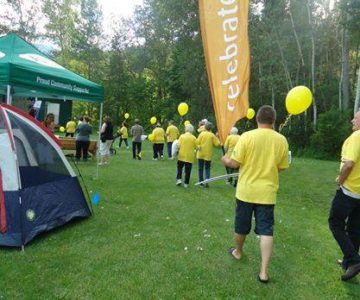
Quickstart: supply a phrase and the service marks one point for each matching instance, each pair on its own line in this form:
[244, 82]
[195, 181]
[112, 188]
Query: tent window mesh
[39, 161]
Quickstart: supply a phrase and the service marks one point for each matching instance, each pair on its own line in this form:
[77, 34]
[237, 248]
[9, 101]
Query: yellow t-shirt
[261, 153]
[70, 127]
[351, 151]
[124, 132]
[159, 135]
[172, 133]
[206, 142]
[230, 143]
[187, 146]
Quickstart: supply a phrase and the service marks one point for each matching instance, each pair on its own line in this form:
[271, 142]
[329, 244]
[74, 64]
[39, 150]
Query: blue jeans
[344, 223]
[201, 164]
[169, 146]
[180, 166]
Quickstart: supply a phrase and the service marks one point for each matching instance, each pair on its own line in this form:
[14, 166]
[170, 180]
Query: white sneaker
[162, 156]
[178, 182]
[186, 185]
[154, 159]
[100, 164]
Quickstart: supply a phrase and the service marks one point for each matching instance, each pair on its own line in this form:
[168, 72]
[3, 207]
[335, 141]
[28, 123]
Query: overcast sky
[117, 8]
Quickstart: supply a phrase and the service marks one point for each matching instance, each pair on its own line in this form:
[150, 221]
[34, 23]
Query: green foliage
[333, 128]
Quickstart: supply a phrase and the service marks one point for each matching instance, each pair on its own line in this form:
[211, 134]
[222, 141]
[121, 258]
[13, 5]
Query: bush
[333, 128]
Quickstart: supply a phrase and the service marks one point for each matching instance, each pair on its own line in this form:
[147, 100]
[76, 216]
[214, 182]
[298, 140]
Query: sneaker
[127, 147]
[186, 185]
[351, 272]
[100, 164]
[162, 156]
[178, 182]
[154, 159]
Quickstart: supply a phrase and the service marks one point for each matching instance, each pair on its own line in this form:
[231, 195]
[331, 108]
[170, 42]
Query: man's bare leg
[239, 242]
[266, 245]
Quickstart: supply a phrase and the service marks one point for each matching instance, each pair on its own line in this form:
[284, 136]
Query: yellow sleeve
[353, 149]
[284, 162]
[216, 141]
[239, 151]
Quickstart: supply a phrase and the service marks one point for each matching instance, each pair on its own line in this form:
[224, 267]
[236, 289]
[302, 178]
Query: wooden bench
[70, 144]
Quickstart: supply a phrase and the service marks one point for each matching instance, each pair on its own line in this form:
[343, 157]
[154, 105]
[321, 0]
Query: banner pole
[8, 95]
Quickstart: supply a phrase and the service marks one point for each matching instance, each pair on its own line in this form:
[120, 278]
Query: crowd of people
[260, 154]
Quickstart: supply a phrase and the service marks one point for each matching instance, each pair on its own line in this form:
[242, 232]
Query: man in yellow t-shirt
[158, 142]
[260, 153]
[206, 142]
[70, 128]
[344, 218]
[229, 146]
[187, 146]
[172, 132]
[124, 135]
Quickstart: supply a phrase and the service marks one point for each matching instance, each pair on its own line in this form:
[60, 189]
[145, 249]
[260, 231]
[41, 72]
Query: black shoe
[351, 272]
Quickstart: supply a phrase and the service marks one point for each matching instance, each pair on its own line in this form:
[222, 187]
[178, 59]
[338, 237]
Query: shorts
[264, 218]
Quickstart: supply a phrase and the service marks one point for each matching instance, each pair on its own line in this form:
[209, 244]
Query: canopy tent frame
[24, 59]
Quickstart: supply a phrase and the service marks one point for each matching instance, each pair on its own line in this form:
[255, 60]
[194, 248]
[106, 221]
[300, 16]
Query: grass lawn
[150, 239]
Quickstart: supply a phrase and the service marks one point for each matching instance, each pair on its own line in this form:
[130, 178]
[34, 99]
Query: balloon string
[281, 127]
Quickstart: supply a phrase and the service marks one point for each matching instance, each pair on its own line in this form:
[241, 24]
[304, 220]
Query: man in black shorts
[260, 154]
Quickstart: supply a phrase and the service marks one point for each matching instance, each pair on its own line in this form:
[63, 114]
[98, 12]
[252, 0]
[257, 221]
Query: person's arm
[230, 163]
[344, 172]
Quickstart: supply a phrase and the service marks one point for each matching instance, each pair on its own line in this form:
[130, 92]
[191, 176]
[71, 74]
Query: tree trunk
[312, 65]
[289, 83]
[357, 98]
[345, 65]
[297, 39]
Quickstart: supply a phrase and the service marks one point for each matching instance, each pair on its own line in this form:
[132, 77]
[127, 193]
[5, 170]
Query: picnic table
[70, 144]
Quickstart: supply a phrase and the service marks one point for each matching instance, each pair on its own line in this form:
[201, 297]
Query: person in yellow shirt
[344, 218]
[260, 153]
[70, 128]
[187, 146]
[124, 135]
[172, 133]
[229, 146]
[201, 126]
[206, 142]
[158, 142]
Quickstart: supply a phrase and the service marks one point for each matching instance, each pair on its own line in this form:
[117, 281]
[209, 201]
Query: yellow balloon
[250, 113]
[151, 137]
[298, 100]
[153, 120]
[183, 108]
[187, 122]
[126, 116]
[62, 129]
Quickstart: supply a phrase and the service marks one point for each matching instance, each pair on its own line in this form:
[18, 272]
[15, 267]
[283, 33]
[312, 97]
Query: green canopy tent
[27, 72]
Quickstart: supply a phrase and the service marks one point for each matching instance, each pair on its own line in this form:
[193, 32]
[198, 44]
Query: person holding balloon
[187, 145]
[136, 131]
[172, 133]
[158, 141]
[260, 154]
[124, 135]
[206, 142]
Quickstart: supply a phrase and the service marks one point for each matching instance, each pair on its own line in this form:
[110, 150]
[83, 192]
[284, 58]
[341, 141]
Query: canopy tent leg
[99, 141]
[8, 95]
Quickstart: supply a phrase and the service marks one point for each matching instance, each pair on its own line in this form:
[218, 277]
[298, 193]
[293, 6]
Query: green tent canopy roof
[30, 72]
